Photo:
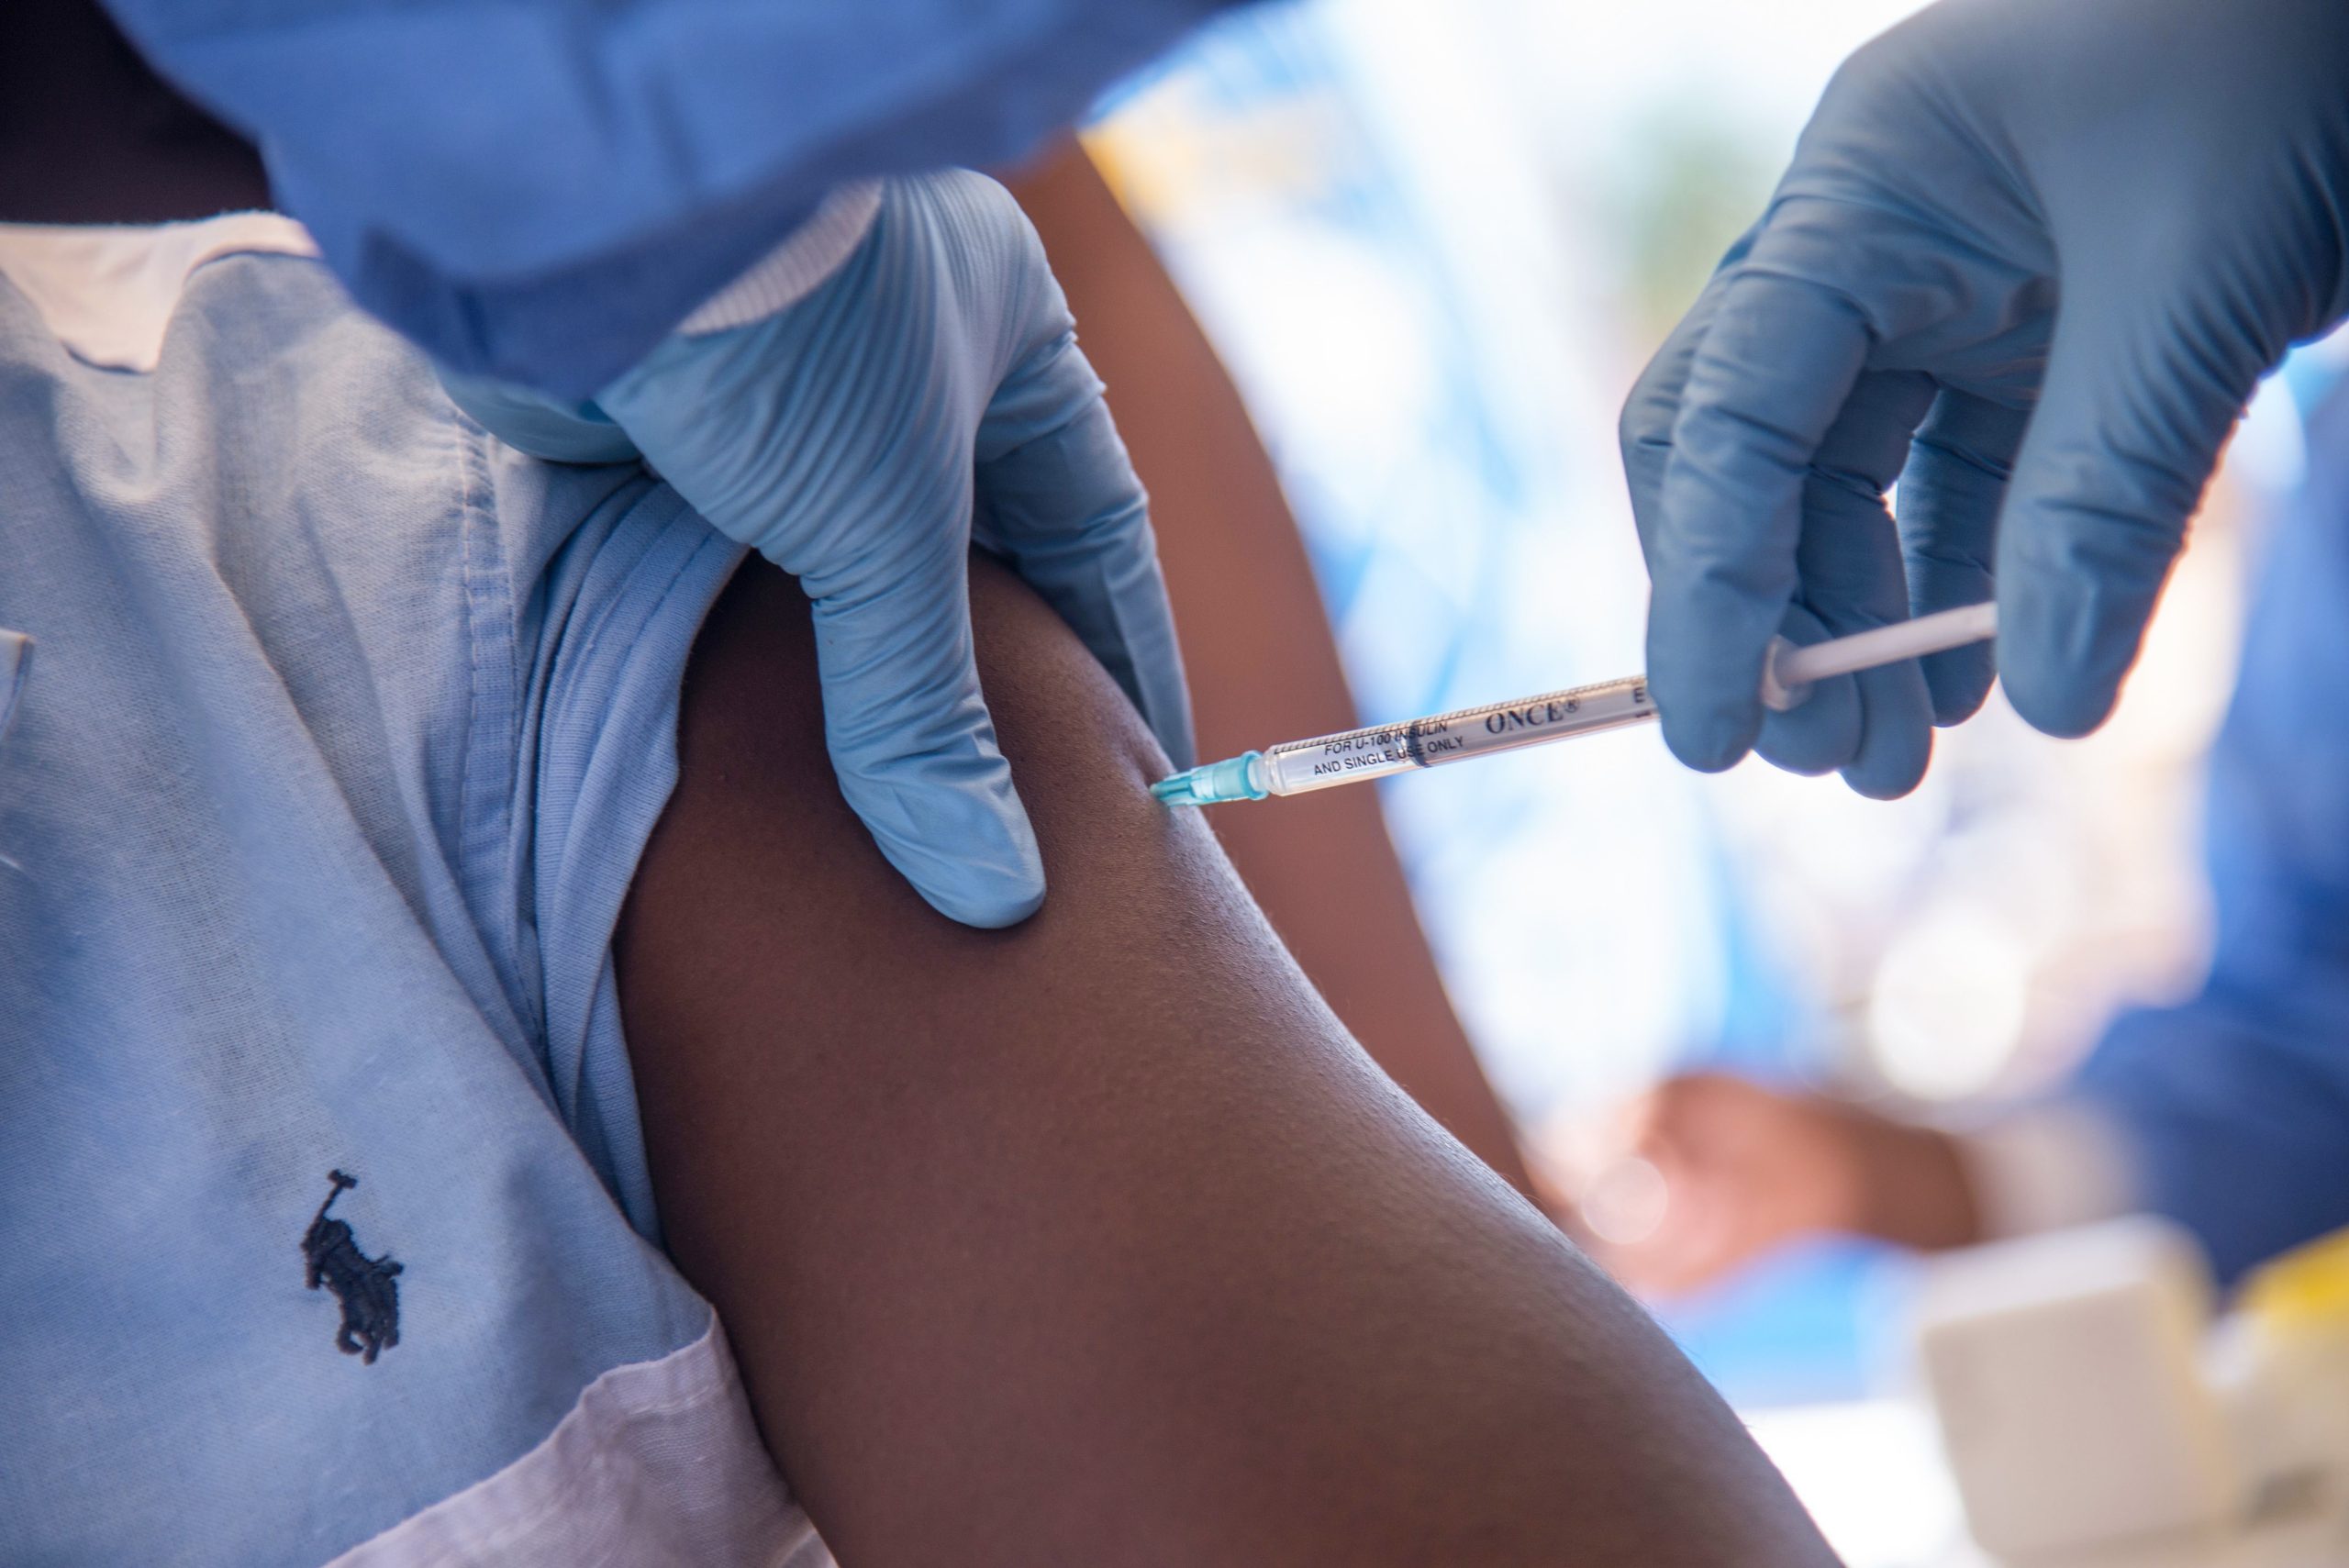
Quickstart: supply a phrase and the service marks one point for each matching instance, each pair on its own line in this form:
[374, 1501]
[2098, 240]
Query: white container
[2066, 1372]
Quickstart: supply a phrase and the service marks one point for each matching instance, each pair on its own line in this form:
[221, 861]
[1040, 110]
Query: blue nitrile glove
[2116, 213]
[15, 663]
[927, 393]
[537, 191]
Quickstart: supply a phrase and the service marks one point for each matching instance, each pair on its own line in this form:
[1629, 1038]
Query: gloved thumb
[912, 742]
[1059, 499]
[2139, 397]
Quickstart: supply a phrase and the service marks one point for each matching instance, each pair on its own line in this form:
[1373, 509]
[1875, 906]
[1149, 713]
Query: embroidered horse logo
[370, 1301]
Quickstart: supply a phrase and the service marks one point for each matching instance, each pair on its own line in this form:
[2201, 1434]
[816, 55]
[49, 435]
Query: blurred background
[1435, 245]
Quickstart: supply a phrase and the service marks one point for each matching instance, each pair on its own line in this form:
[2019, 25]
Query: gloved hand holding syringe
[1296, 766]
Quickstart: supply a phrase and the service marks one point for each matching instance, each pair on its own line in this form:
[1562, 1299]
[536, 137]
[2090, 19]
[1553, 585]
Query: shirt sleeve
[538, 192]
[2236, 1105]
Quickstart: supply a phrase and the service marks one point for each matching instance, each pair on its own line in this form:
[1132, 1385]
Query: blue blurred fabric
[2237, 1103]
[539, 191]
[347, 728]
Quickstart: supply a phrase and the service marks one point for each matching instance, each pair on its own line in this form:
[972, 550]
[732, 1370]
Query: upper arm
[1245, 599]
[1095, 1240]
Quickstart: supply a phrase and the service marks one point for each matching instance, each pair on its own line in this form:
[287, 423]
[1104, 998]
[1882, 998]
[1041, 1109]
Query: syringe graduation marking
[1380, 750]
[1569, 702]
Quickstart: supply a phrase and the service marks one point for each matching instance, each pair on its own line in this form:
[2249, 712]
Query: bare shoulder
[1097, 1239]
[758, 824]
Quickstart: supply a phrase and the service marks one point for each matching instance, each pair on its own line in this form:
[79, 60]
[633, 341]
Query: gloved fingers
[2140, 397]
[1875, 726]
[1950, 496]
[911, 740]
[1059, 499]
[1644, 429]
[1823, 733]
[1765, 382]
[1896, 739]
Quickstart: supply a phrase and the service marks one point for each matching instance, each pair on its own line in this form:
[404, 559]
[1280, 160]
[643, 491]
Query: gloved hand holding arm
[851, 437]
[2030, 261]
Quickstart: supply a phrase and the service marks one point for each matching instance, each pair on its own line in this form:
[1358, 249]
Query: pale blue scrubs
[539, 191]
[2235, 1105]
[346, 730]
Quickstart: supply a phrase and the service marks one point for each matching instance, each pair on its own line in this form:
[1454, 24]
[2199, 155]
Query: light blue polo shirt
[345, 730]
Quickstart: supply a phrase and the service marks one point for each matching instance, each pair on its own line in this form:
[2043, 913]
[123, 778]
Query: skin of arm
[1262, 664]
[1097, 1239]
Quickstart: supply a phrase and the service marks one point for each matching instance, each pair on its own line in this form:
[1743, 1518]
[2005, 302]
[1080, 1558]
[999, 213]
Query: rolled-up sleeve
[537, 191]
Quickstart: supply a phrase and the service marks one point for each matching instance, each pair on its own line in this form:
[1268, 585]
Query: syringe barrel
[1380, 750]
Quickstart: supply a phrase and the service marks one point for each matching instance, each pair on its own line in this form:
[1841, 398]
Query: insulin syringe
[1296, 766]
